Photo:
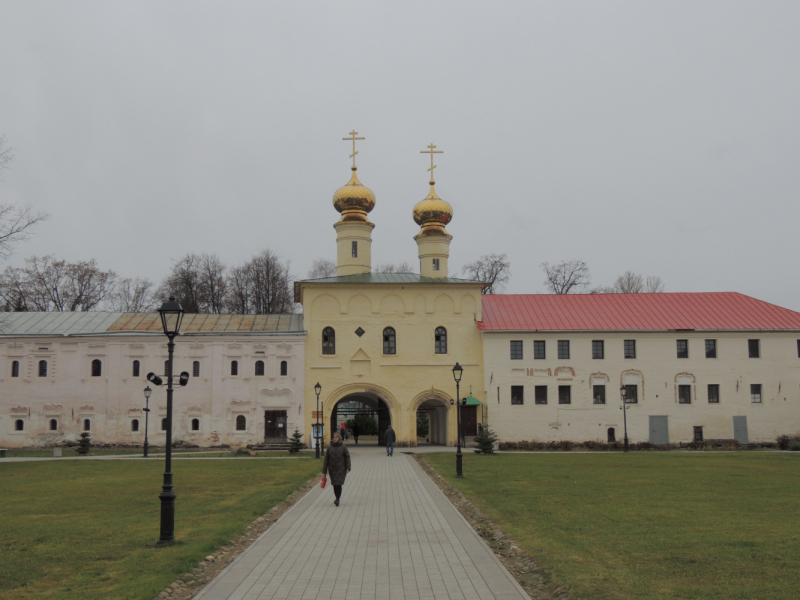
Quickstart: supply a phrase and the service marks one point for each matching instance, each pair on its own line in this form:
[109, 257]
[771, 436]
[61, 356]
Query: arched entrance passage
[365, 406]
[435, 411]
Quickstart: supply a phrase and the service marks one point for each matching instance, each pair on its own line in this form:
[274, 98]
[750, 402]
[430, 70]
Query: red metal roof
[657, 312]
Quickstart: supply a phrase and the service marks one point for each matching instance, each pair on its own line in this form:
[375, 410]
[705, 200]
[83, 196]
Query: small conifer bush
[485, 441]
[296, 443]
[84, 444]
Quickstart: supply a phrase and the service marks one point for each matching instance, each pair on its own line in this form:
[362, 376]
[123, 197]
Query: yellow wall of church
[414, 374]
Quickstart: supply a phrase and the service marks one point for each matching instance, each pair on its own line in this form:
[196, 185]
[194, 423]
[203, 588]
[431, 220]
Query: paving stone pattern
[395, 536]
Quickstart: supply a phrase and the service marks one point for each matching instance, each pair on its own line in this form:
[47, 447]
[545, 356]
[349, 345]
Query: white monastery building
[64, 373]
[694, 366]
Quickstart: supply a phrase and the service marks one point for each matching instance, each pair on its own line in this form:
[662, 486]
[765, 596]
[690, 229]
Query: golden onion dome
[354, 200]
[432, 214]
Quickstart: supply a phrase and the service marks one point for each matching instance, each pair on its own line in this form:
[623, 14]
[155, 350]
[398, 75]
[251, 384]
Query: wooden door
[275, 425]
[469, 420]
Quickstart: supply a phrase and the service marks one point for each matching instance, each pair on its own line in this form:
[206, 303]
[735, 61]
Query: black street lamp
[317, 432]
[457, 372]
[171, 317]
[624, 409]
[147, 392]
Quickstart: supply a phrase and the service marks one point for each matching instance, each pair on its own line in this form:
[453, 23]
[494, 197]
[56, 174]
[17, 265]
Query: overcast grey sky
[660, 137]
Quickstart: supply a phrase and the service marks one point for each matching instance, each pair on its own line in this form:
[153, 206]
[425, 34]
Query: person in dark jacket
[390, 438]
[337, 465]
[356, 432]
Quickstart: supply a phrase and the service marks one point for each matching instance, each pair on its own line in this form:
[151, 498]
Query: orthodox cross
[431, 151]
[353, 138]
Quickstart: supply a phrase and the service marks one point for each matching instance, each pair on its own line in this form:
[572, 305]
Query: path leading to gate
[395, 536]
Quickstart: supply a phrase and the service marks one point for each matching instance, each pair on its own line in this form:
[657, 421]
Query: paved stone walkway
[395, 536]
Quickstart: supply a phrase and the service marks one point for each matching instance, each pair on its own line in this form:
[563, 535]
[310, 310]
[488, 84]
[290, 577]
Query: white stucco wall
[70, 394]
[657, 371]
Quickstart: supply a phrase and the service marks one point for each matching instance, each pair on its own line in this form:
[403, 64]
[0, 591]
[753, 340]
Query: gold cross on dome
[431, 151]
[353, 138]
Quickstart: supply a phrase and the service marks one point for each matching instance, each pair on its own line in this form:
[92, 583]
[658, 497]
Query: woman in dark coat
[337, 465]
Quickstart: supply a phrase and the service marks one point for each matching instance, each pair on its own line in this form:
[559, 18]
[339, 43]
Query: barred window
[19, 425]
[97, 368]
[631, 394]
[755, 393]
[516, 350]
[354, 249]
[284, 368]
[328, 341]
[389, 341]
[684, 394]
[598, 349]
[15, 368]
[538, 350]
[87, 425]
[135, 425]
[259, 368]
[630, 348]
[599, 394]
[241, 423]
[435, 264]
[563, 349]
[42, 368]
[136, 368]
[683, 348]
[195, 424]
[196, 368]
[517, 394]
[565, 394]
[713, 393]
[166, 368]
[753, 348]
[698, 434]
[440, 346]
[711, 348]
[234, 368]
[540, 394]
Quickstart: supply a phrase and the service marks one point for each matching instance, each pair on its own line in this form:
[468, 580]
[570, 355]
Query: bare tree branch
[654, 285]
[16, 225]
[566, 277]
[629, 283]
[403, 267]
[132, 295]
[6, 153]
[321, 268]
[494, 269]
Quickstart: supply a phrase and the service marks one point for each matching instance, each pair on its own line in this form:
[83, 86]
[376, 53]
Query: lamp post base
[459, 463]
[167, 497]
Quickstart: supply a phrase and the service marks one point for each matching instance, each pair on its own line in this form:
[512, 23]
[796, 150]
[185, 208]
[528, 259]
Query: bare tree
[403, 267]
[132, 295]
[654, 285]
[213, 284]
[494, 269]
[566, 277]
[629, 283]
[321, 268]
[16, 225]
[261, 286]
[49, 284]
[183, 282]
[6, 153]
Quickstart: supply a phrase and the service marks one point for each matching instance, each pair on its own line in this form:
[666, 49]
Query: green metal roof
[472, 401]
[390, 278]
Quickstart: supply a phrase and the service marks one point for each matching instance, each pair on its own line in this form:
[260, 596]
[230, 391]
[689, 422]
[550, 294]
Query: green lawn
[87, 529]
[647, 525]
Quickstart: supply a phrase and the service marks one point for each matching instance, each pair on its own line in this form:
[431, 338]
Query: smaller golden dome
[432, 214]
[354, 200]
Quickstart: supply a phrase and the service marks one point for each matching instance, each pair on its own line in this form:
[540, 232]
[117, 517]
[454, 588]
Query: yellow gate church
[390, 341]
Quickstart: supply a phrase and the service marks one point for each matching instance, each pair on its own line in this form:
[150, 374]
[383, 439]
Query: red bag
[324, 481]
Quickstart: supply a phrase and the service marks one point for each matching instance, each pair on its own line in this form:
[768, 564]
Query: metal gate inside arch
[362, 405]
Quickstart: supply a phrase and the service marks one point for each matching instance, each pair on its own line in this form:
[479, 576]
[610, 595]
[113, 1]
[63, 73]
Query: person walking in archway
[337, 465]
[356, 432]
[390, 438]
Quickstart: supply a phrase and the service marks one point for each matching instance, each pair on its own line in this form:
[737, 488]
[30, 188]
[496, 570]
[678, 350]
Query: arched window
[241, 423]
[389, 341]
[612, 436]
[164, 424]
[19, 425]
[87, 425]
[135, 425]
[284, 368]
[136, 368]
[328, 341]
[234, 368]
[97, 368]
[196, 368]
[259, 368]
[53, 424]
[195, 424]
[15, 368]
[42, 368]
[441, 340]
